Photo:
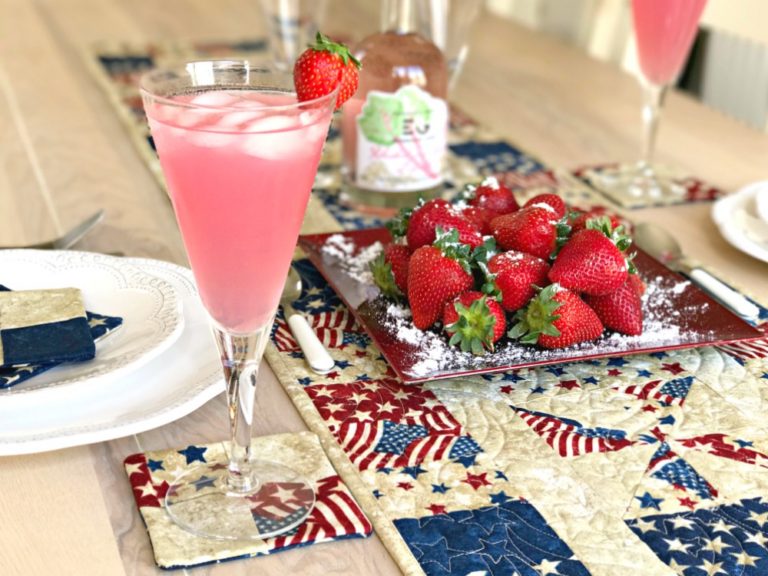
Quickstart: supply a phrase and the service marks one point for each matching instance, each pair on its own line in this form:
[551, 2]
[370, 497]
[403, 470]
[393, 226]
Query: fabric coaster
[694, 190]
[336, 515]
[97, 326]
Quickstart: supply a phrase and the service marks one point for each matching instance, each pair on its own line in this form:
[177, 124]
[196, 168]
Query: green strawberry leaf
[384, 278]
[448, 243]
[398, 226]
[473, 331]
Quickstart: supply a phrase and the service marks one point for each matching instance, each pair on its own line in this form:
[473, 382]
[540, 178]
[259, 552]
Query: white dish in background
[148, 305]
[736, 215]
[173, 384]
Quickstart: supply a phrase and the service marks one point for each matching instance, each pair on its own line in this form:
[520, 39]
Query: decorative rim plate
[176, 382]
[151, 311]
[729, 214]
[678, 315]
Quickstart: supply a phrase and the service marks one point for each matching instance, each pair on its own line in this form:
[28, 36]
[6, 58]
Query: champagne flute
[239, 154]
[664, 33]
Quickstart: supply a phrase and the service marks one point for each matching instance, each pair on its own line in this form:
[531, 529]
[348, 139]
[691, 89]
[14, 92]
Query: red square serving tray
[694, 320]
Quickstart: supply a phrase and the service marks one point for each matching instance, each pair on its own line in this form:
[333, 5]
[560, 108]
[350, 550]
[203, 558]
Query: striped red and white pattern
[358, 439]
[329, 327]
[335, 514]
[652, 390]
[437, 419]
[747, 350]
[565, 437]
[432, 447]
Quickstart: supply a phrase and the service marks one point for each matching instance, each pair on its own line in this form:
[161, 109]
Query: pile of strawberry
[542, 274]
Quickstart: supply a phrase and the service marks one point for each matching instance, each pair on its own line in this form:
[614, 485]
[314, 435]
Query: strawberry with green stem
[425, 219]
[437, 274]
[390, 270]
[556, 318]
[322, 67]
[474, 321]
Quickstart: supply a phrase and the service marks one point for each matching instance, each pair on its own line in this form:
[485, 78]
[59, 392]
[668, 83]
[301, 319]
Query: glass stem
[240, 358]
[653, 100]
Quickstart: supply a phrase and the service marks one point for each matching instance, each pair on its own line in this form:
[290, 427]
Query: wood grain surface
[64, 153]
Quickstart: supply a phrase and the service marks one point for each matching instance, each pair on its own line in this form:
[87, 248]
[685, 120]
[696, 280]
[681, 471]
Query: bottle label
[401, 140]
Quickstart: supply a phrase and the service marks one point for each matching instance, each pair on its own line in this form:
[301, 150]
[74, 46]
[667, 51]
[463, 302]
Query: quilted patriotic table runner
[651, 464]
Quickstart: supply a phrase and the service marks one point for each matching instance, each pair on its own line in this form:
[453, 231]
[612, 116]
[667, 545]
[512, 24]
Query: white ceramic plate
[176, 382]
[738, 219]
[149, 306]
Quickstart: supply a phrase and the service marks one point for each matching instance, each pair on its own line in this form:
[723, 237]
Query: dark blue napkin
[31, 350]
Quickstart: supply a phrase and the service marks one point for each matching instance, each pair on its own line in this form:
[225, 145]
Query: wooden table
[64, 153]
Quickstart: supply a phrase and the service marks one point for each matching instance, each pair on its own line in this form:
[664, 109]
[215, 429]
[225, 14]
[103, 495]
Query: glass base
[202, 502]
[638, 183]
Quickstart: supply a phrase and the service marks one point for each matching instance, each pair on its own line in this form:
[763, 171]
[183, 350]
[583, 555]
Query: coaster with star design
[335, 516]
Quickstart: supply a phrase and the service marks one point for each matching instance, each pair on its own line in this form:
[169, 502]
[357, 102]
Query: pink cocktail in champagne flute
[239, 154]
[664, 33]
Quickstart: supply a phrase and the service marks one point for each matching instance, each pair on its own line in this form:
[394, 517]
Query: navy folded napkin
[44, 328]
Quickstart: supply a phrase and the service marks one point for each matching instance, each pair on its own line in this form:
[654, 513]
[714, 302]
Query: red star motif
[673, 368]
[436, 508]
[569, 384]
[649, 408]
[333, 375]
[477, 480]
[506, 389]
[361, 353]
[614, 372]
[405, 486]
[218, 466]
[687, 502]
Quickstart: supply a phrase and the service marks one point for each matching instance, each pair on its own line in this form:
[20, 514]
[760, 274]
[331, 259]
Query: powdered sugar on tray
[428, 354]
[357, 266]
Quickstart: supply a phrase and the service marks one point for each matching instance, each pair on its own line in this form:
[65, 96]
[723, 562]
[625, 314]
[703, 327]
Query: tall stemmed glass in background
[664, 33]
[239, 155]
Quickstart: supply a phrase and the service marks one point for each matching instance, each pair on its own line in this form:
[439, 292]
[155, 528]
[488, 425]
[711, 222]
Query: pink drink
[239, 175]
[664, 30]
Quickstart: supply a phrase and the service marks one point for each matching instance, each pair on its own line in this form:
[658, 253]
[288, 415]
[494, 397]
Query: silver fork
[68, 239]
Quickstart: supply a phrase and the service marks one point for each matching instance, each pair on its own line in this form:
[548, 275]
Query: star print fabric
[335, 515]
[66, 333]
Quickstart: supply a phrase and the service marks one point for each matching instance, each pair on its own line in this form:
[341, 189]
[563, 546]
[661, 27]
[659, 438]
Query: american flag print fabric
[334, 513]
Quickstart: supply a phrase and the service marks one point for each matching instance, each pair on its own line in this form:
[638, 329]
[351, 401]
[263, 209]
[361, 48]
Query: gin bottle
[394, 130]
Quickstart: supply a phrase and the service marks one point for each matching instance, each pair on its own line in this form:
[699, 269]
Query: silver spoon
[314, 351]
[662, 245]
[68, 239]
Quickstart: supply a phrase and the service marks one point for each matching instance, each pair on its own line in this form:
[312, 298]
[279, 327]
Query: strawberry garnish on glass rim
[322, 67]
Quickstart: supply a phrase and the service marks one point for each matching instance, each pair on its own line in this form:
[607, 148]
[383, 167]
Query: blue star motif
[764, 376]
[658, 355]
[296, 354]
[512, 377]
[501, 476]
[203, 482]
[555, 370]
[538, 390]
[305, 381]
[362, 378]
[194, 454]
[414, 471]
[644, 373]
[618, 362]
[155, 465]
[648, 501]
[384, 470]
[467, 461]
[343, 364]
[440, 488]
[590, 380]
[377, 493]
[667, 420]
[744, 443]
[500, 498]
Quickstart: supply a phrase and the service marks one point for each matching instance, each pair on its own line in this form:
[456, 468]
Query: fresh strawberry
[552, 200]
[556, 318]
[322, 67]
[590, 262]
[437, 274]
[480, 217]
[637, 284]
[620, 310]
[579, 222]
[492, 195]
[516, 275]
[532, 230]
[390, 270]
[425, 219]
[475, 322]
